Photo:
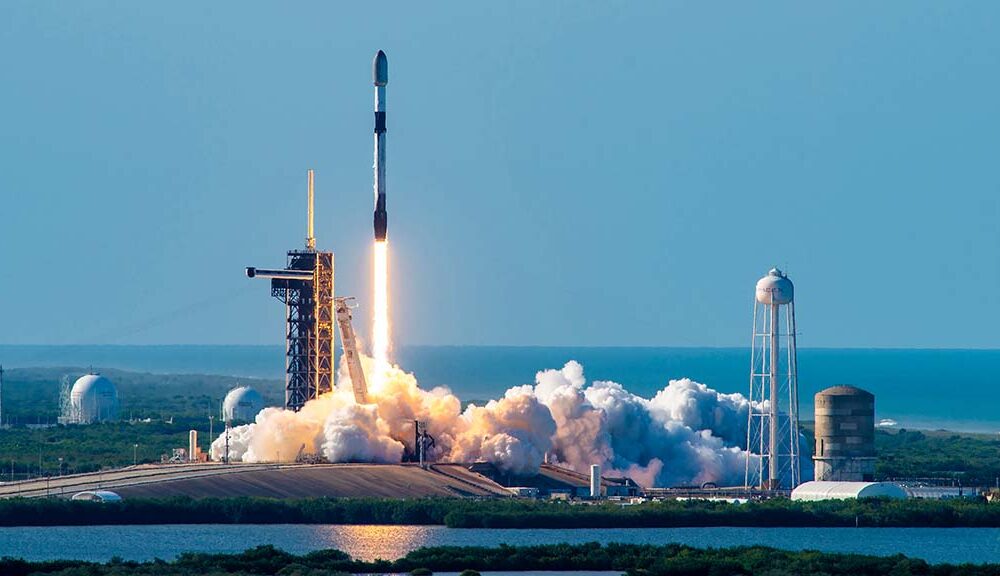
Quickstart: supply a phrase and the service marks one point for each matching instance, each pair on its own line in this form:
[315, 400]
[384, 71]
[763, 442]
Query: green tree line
[635, 560]
[466, 513]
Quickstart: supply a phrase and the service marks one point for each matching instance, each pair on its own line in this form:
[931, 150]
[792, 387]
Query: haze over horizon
[591, 175]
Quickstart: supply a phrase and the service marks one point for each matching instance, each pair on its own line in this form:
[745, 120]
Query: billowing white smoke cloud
[513, 432]
[687, 433]
[669, 440]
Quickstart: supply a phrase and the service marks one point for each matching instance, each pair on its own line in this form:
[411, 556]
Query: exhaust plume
[380, 314]
[687, 433]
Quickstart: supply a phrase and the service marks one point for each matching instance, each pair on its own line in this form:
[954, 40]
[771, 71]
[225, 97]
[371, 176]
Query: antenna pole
[310, 237]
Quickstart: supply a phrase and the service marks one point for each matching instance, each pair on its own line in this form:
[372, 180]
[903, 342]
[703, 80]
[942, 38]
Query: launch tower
[773, 422]
[305, 287]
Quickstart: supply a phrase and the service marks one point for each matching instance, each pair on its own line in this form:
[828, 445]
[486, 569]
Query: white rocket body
[380, 76]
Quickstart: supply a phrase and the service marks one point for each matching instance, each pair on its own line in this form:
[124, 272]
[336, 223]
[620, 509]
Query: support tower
[773, 423]
[305, 287]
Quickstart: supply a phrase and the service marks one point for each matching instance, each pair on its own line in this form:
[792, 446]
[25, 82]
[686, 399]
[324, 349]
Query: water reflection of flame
[371, 542]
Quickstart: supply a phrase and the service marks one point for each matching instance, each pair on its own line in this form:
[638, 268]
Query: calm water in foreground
[100, 543]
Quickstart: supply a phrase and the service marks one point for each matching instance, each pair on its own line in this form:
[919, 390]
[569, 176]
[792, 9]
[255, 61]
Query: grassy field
[31, 395]
[32, 452]
[157, 412]
[973, 459]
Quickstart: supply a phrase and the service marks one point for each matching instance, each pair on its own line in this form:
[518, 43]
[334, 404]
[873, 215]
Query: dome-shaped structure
[775, 288]
[93, 398]
[817, 490]
[102, 496]
[241, 404]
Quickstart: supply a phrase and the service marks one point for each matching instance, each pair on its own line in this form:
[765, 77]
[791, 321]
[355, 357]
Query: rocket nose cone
[380, 69]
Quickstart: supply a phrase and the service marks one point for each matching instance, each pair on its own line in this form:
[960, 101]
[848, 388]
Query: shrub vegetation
[464, 513]
[635, 560]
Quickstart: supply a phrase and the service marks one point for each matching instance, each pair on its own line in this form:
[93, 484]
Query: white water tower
[773, 423]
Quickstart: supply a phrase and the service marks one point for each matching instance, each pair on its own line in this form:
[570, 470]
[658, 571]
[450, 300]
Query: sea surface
[947, 389]
[101, 543]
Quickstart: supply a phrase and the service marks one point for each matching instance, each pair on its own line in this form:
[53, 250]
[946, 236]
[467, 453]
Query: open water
[948, 389]
[101, 543]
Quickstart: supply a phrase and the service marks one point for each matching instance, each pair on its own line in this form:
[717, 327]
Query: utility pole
[1, 396]
[135, 454]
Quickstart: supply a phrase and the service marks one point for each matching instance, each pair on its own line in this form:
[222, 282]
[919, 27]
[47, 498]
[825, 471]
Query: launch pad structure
[306, 287]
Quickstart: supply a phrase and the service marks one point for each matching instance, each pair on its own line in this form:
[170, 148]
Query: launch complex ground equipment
[422, 444]
[305, 287]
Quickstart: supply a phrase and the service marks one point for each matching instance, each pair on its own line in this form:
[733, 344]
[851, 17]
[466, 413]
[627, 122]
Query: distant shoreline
[906, 381]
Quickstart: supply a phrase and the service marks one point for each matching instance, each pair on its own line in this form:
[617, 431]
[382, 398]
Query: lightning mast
[305, 287]
[310, 236]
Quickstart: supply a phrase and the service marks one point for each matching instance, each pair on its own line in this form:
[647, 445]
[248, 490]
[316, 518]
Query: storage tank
[845, 435]
[775, 288]
[595, 481]
[93, 398]
[774, 384]
[193, 445]
[241, 405]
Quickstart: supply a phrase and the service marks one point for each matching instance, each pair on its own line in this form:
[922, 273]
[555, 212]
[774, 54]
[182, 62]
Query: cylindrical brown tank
[845, 435]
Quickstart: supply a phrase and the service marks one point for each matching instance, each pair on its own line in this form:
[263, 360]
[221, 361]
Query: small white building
[820, 490]
[103, 496]
[524, 491]
[940, 492]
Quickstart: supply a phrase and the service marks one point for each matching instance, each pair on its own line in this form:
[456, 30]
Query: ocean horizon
[917, 388]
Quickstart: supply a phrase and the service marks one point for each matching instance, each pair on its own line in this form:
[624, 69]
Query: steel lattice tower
[773, 423]
[305, 287]
[308, 301]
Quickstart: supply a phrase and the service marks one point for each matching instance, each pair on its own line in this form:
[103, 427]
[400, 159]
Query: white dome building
[825, 490]
[242, 404]
[93, 398]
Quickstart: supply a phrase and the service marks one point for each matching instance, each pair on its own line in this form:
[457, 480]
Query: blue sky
[615, 173]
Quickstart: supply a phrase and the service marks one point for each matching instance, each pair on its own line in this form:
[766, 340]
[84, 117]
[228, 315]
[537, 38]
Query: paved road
[268, 480]
[131, 476]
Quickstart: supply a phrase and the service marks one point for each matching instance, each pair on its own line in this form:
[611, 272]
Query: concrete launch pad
[214, 480]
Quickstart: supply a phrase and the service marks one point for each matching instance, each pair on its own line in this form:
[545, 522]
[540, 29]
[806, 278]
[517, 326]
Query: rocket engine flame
[380, 316]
